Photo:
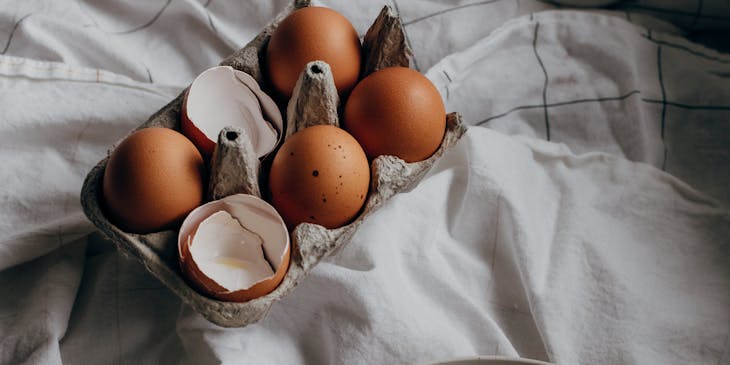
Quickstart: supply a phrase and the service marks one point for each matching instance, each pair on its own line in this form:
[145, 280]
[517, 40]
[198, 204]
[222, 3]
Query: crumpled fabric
[581, 219]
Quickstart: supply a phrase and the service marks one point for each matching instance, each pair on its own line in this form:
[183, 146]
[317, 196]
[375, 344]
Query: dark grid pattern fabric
[593, 83]
[597, 85]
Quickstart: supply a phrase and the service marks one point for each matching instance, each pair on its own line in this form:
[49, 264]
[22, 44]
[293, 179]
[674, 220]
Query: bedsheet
[583, 218]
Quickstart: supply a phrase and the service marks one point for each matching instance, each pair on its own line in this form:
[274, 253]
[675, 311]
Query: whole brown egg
[320, 175]
[396, 111]
[153, 179]
[310, 34]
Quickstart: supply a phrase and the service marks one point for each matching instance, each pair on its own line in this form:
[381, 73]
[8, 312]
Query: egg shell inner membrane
[230, 252]
[220, 97]
[237, 242]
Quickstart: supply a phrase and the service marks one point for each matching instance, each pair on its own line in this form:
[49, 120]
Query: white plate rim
[489, 359]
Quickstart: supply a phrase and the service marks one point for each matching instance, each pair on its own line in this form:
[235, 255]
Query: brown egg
[396, 111]
[153, 179]
[320, 175]
[310, 34]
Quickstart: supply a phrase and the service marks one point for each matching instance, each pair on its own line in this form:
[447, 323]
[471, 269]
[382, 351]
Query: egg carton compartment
[234, 170]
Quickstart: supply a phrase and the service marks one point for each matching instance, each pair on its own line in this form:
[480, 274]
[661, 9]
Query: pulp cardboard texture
[234, 170]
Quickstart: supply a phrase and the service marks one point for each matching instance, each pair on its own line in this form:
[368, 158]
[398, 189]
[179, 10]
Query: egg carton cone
[236, 169]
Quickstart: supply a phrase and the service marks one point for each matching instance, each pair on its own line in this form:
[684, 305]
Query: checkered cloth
[582, 219]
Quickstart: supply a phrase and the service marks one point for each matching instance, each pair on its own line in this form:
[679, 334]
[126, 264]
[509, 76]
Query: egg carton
[234, 170]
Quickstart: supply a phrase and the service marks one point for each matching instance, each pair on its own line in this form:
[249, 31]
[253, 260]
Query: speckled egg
[320, 175]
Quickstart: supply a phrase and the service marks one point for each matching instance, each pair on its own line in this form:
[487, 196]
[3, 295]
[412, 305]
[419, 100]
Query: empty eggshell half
[234, 249]
[222, 96]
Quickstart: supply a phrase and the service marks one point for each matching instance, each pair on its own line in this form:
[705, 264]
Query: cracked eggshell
[222, 96]
[234, 249]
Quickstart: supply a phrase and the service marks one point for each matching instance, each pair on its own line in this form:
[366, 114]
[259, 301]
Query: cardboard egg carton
[233, 169]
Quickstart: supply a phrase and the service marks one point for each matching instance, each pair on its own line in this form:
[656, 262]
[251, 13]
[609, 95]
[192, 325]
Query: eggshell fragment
[222, 96]
[234, 249]
[225, 249]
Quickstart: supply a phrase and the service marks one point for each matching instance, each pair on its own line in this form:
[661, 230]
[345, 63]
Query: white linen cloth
[510, 245]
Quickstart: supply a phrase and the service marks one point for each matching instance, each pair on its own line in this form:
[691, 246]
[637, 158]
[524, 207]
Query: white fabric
[510, 246]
